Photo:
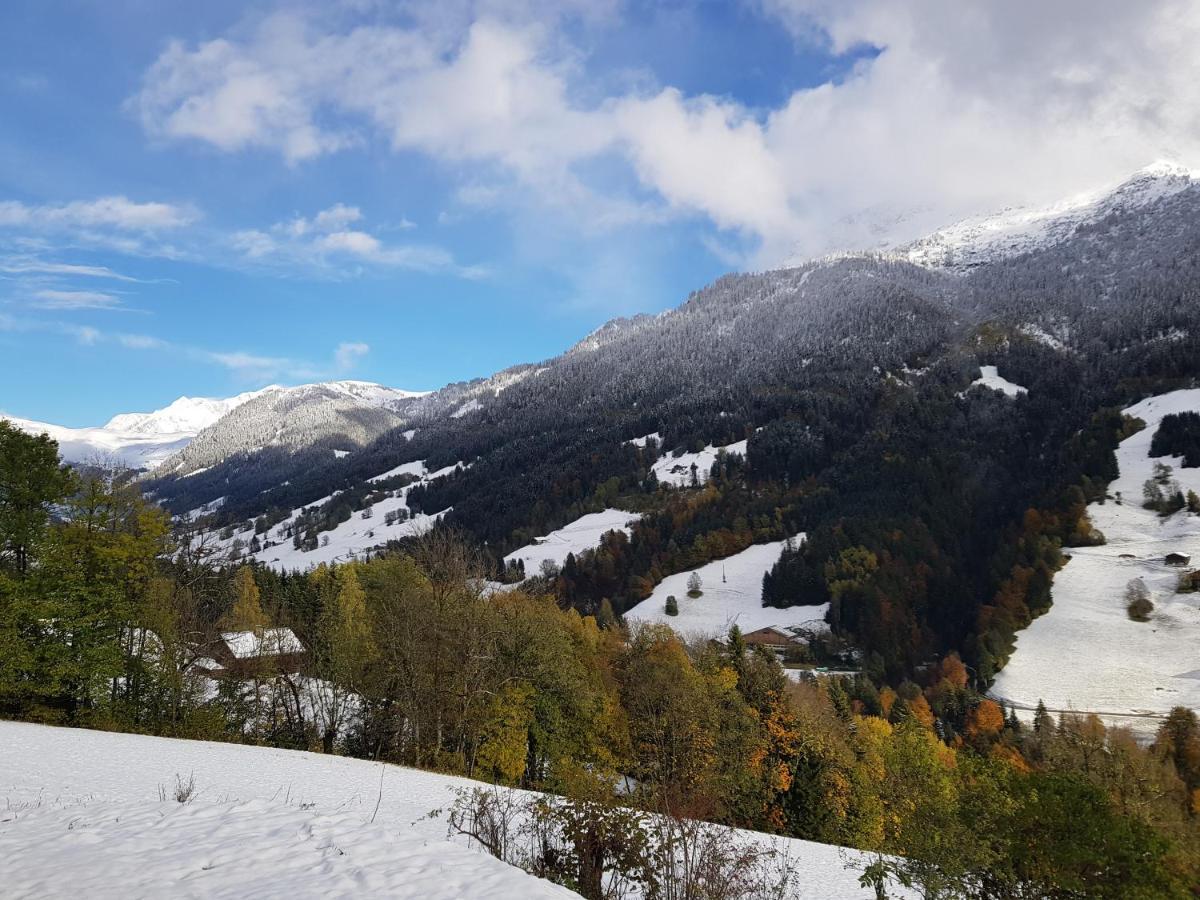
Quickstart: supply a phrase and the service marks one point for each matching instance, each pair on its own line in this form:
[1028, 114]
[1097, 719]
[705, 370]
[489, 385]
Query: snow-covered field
[989, 377]
[1086, 653]
[732, 594]
[350, 539]
[582, 534]
[677, 470]
[81, 815]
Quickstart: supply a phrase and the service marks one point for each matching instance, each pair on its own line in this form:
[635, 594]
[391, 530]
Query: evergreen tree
[31, 482]
[1043, 724]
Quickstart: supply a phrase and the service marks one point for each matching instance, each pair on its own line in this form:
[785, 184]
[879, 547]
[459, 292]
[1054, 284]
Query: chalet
[1177, 559]
[272, 651]
[771, 638]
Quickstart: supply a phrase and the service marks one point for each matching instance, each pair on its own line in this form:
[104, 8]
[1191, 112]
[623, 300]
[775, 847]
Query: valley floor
[81, 814]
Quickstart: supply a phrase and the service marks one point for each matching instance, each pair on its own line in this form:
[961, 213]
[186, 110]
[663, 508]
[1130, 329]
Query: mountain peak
[974, 241]
[186, 415]
[1166, 168]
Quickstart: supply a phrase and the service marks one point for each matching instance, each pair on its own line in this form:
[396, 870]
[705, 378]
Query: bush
[672, 606]
[1137, 601]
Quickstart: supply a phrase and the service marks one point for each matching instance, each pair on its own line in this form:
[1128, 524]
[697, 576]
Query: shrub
[672, 606]
[1137, 601]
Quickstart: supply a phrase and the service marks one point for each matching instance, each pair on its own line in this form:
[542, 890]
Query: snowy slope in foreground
[1086, 653]
[582, 534]
[734, 599]
[82, 817]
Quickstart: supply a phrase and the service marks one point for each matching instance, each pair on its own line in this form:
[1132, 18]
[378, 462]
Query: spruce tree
[1042, 723]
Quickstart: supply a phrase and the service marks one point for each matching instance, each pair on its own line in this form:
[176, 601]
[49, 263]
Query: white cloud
[968, 105]
[349, 354]
[325, 241]
[32, 266]
[114, 212]
[49, 298]
[142, 342]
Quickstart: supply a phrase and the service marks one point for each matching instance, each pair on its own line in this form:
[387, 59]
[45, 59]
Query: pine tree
[31, 482]
[1043, 725]
[672, 608]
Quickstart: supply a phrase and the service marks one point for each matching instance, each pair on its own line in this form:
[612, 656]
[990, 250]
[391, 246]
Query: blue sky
[204, 198]
[516, 291]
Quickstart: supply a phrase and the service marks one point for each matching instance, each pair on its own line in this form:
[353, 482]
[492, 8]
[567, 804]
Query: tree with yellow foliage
[246, 613]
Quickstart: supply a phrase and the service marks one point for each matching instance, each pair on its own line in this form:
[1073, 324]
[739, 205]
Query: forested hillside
[936, 512]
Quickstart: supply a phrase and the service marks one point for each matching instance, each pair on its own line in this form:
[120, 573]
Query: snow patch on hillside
[641, 441]
[1086, 653]
[354, 538]
[469, 407]
[677, 470]
[582, 534]
[989, 377]
[732, 595]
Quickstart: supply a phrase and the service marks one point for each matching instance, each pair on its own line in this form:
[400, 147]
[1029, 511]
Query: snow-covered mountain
[1017, 230]
[147, 440]
[139, 440]
[185, 415]
[343, 414]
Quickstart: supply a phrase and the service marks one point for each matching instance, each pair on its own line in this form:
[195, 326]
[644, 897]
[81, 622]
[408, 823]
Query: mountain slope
[1011, 232]
[859, 386]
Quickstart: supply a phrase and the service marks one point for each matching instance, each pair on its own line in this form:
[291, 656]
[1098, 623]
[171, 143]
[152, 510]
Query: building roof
[768, 635]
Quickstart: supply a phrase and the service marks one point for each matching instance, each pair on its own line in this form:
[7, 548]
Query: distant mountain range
[734, 330]
[274, 415]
